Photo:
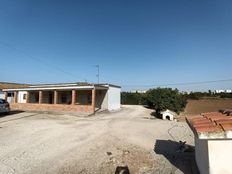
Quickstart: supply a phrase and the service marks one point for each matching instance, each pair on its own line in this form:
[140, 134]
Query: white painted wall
[2, 95]
[20, 97]
[165, 114]
[114, 98]
[220, 155]
[213, 156]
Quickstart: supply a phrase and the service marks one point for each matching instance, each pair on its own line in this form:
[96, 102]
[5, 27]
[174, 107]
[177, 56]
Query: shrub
[132, 98]
[165, 98]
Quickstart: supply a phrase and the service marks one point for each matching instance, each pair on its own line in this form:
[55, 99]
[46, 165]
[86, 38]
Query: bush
[165, 98]
[226, 95]
[129, 98]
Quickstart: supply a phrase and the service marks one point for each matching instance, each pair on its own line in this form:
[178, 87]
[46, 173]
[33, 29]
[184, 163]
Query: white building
[138, 91]
[213, 142]
[218, 91]
[168, 115]
[75, 97]
[228, 91]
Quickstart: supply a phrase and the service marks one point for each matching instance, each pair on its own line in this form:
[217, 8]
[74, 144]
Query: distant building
[218, 91]
[138, 91]
[228, 91]
[185, 92]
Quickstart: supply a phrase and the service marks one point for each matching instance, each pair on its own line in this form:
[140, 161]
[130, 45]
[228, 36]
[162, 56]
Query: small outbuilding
[213, 142]
[168, 115]
[73, 97]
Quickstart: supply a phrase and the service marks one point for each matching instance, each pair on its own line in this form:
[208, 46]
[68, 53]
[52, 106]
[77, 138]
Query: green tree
[130, 98]
[165, 98]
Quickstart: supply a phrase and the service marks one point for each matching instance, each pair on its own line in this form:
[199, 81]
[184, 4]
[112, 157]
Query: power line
[39, 60]
[179, 84]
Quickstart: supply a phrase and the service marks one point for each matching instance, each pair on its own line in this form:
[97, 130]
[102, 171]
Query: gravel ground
[104, 143]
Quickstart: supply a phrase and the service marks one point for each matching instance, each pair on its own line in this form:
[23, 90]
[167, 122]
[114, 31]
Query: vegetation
[165, 98]
[159, 99]
[209, 94]
[129, 98]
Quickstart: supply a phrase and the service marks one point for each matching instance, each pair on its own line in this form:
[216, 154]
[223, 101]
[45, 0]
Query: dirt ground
[207, 105]
[104, 143]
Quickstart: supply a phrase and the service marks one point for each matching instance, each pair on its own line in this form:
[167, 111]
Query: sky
[136, 43]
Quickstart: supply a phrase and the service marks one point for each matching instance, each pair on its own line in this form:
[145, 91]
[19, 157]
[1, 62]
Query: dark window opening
[9, 94]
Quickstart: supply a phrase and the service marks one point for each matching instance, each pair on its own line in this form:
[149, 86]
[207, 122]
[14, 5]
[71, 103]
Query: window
[10, 94]
[24, 96]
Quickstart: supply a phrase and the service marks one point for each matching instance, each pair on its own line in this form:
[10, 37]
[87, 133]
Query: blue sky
[134, 42]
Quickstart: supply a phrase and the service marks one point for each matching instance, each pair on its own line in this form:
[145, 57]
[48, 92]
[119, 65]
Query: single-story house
[73, 97]
[6, 85]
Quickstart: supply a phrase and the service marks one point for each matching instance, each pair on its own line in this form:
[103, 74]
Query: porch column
[73, 97]
[40, 97]
[93, 99]
[55, 97]
[27, 97]
[15, 97]
[6, 94]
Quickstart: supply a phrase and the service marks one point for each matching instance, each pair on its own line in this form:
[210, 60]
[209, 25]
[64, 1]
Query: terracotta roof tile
[229, 120]
[208, 128]
[200, 121]
[194, 117]
[205, 124]
[210, 113]
[212, 124]
[226, 126]
[214, 118]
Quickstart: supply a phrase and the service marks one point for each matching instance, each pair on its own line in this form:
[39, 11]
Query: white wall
[2, 95]
[213, 156]
[114, 98]
[167, 114]
[20, 97]
[220, 155]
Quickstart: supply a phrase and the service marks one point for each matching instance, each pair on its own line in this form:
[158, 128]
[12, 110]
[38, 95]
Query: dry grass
[207, 105]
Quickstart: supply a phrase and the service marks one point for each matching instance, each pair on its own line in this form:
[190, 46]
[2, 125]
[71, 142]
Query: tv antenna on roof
[98, 75]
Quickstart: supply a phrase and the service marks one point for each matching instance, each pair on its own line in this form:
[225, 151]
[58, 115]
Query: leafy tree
[130, 98]
[165, 98]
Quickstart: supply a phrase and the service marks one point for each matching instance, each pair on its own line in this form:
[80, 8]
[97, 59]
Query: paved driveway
[49, 143]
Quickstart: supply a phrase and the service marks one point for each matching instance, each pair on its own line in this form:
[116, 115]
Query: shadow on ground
[179, 154]
[11, 113]
[155, 115]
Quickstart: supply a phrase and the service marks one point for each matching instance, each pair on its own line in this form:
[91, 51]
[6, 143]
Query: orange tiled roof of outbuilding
[211, 125]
